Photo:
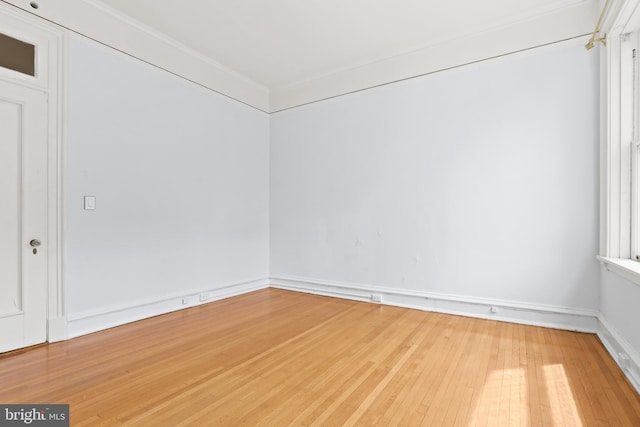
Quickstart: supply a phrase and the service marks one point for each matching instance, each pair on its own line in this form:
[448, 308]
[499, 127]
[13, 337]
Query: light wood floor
[278, 358]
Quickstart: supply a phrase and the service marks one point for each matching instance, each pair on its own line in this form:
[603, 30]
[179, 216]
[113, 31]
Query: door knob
[35, 243]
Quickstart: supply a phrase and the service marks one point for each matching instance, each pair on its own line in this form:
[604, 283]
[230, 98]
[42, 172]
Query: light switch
[89, 203]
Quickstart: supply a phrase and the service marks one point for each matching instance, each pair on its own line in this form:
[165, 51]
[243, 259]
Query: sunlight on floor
[562, 404]
[503, 399]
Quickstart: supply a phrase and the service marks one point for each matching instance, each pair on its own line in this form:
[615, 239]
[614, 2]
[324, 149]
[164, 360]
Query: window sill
[627, 268]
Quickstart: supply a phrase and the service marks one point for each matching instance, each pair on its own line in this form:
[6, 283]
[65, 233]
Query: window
[630, 124]
[17, 55]
[620, 154]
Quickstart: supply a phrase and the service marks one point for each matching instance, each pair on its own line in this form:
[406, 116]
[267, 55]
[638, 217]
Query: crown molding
[95, 20]
[574, 20]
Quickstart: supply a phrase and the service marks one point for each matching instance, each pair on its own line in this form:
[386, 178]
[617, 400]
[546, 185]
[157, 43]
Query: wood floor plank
[276, 358]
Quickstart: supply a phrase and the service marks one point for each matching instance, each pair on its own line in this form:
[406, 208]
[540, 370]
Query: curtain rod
[593, 38]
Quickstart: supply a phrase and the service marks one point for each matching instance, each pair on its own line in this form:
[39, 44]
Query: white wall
[479, 181]
[619, 306]
[181, 179]
[619, 318]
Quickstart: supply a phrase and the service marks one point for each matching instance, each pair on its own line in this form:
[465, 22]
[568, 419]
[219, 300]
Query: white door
[23, 216]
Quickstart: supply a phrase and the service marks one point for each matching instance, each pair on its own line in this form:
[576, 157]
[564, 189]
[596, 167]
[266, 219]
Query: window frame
[630, 114]
[620, 136]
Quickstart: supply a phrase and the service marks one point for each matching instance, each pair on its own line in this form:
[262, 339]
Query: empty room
[320, 213]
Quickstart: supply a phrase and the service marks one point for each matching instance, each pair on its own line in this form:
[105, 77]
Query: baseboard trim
[590, 321]
[93, 321]
[621, 351]
[56, 329]
[580, 320]
[506, 311]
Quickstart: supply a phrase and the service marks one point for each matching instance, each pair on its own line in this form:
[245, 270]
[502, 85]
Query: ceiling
[279, 54]
[278, 43]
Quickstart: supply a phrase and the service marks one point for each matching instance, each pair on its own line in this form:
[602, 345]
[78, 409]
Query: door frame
[50, 78]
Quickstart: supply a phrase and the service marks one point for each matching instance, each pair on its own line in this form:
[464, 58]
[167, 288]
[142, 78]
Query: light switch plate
[89, 203]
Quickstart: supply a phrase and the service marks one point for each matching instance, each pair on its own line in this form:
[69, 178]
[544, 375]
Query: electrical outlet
[205, 296]
[376, 298]
[623, 358]
[494, 310]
